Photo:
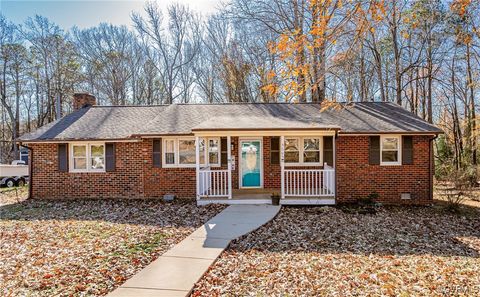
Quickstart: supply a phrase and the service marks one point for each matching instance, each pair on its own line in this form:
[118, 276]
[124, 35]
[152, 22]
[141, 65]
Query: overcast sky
[87, 13]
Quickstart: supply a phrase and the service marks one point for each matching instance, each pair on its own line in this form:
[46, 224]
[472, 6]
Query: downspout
[334, 142]
[30, 170]
[431, 167]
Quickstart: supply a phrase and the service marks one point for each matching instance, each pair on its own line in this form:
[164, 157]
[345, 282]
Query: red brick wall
[161, 181]
[357, 179]
[135, 176]
[271, 172]
[125, 182]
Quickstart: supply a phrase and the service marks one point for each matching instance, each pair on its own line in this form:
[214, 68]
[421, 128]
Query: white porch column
[229, 162]
[282, 166]
[197, 163]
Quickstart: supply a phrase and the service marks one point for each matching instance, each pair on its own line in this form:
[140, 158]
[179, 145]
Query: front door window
[251, 163]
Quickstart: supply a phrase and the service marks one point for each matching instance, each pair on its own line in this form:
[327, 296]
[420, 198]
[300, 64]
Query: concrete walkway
[176, 271]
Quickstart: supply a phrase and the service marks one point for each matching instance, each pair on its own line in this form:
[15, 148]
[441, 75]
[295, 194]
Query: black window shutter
[110, 157]
[374, 150]
[63, 157]
[274, 150]
[407, 150]
[157, 153]
[224, 151]
[328, 150]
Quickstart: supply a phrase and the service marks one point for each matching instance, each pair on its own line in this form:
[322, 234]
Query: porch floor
[263, 196]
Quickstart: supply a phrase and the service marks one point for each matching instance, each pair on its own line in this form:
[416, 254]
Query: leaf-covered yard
[86, 247]
[305, 251]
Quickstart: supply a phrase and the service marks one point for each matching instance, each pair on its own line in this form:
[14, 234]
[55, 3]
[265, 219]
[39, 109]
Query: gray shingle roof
[122, 122]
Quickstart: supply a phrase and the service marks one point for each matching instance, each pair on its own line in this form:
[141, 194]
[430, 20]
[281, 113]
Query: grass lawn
[86, 247]
[318, 251]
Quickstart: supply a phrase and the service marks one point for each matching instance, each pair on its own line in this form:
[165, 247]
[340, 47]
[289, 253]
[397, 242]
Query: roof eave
[268, 129]
[390, 132]
[78, 140]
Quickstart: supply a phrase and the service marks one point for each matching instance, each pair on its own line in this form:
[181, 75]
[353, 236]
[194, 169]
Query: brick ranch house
[245, 152]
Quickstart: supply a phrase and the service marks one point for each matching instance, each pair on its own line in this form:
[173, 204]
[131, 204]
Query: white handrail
[309, 182]
[213, 183]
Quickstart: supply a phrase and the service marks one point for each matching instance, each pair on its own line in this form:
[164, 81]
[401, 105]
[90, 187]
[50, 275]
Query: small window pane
[80, 151]
[311, 144]
[170, 146]
[169, 158]
[390, 143]
[213, 158]
[98, 163]
[311, 157]
[291, 144]
[213, 151]
[202, 151]
[213, 145]
[389, 156]
[97, 160]
[97, 150]
[187, 151]
[291, 157]
[292, 154]
[80, 163]
[170, 151]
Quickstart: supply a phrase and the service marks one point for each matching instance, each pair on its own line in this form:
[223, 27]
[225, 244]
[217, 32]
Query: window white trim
[177, 152]
[399, 150]
[180, 139]
[207, 151]
[320, 140]
[299, 143]
[301, 150]
[88, 153]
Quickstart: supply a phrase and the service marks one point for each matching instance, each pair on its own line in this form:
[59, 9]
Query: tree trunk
[429, 81]
[300, 50]
[397, 57]
[471, 88]
[16, 126]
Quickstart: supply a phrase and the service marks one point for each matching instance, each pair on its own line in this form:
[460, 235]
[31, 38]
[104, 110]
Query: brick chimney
[83, 100]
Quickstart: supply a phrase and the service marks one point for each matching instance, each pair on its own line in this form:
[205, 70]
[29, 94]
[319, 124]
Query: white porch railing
[213, 183]
[309, 182]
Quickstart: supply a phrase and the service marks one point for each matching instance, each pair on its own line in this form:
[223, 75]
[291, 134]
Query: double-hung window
[169, 156]
[390, 150]
[87, 157]
[180, 152]
[302, 151]
[311, 150]
[292, 150]
[213, 151]
[202, 150]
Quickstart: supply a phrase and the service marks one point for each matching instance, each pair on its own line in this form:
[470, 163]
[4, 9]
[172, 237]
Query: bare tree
[175, 47]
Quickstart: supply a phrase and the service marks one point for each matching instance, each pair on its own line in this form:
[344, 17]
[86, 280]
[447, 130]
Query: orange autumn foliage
[298, 48]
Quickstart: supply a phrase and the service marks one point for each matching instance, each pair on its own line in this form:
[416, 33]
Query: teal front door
[251, 163]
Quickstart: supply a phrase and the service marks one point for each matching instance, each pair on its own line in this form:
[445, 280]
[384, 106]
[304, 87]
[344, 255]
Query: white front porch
[313, 185]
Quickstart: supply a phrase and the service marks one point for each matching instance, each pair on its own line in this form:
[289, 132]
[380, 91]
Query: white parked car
[15, 174]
